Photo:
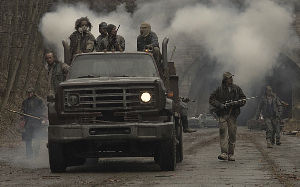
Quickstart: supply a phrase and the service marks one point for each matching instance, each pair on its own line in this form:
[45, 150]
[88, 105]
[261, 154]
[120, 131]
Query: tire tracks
[277, 173]
[204, 139]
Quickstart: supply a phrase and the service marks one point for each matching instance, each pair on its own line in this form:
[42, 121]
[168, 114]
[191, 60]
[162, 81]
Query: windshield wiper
[87, 76]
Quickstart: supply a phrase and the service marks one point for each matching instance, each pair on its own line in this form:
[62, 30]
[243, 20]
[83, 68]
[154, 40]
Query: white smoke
[245, 39]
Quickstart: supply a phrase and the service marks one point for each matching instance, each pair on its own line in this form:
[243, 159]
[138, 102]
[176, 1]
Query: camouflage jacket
[57, 74]
[222, 94]
[151, 40]
[270, 108]
[112, 44]
[98, 47]
[81, 43]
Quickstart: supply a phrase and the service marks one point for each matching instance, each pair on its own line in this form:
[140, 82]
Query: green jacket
[222, 94]
[57, 74]
[272, 110]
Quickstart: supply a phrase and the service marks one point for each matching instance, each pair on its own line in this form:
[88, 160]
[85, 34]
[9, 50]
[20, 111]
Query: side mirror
[51, 98]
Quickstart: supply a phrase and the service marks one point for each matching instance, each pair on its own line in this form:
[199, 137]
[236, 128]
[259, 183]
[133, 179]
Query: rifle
[23, 114]
[213, 109]
[186, 100]
[228, 103]
[118, 28]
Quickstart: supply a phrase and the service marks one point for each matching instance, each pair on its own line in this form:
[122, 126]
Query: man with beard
[112, 42]
[103, 34]
[34, 129]
[56, 71]
[148, 40]
[81, 40]
[270, 107]
[227, 114]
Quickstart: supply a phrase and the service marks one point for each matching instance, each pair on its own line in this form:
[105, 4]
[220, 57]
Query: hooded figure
[227, 115]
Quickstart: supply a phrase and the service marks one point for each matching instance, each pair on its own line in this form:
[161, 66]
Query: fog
[244, 37]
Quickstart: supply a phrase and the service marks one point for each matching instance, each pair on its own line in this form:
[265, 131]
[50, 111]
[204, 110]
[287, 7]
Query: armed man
[227, 114]
[103, 34]
[270, 107]
[35, 109]
[56, 71]
[81, 40]
[148, 40]
[112, 42]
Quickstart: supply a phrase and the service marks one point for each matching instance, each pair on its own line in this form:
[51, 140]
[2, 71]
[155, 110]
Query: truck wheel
[56, 157]
[168, 154]
[179, 147]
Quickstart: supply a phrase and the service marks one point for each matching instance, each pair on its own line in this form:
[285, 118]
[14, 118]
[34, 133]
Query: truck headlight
[146, 97]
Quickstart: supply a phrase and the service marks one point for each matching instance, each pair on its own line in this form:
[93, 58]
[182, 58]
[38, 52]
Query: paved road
[255, 165]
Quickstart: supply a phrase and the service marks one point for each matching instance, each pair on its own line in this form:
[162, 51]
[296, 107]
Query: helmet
[110, 27]
[102, 25]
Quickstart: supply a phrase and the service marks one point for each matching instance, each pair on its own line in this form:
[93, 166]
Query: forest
[22, 53]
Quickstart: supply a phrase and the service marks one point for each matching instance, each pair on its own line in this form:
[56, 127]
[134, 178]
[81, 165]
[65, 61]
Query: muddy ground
[255, 165]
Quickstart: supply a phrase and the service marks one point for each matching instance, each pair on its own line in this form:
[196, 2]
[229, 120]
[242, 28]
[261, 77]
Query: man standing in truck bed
[82, 40]
[112, 42]
[148, 40]
[227, 114]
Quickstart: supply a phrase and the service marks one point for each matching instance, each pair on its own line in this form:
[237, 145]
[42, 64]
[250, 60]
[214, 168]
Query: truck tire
[179, 147]
[56, 157]
[167, 153]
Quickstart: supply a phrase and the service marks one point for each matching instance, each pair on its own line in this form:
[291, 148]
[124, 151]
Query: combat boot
[231, 158]
[188, 130]
[273, 141]
[223, 156]
[278, 142]
[269, 144]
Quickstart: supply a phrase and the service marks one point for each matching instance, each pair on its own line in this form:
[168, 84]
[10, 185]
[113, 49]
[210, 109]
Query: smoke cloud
[244, 37]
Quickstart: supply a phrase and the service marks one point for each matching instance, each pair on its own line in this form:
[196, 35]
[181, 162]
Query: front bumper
[110, 131]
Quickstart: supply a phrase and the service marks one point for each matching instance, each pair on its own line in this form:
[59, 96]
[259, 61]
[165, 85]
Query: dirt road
[255, 165]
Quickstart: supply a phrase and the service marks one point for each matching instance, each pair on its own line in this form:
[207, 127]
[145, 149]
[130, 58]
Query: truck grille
[108, 97]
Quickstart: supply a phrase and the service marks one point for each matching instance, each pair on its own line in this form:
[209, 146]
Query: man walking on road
[227, 114]
[34, 129]
[270, 107]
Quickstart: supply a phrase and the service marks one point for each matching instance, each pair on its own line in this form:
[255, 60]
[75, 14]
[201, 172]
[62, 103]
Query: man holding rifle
[112, 42]
[35, 110]
[227, 113]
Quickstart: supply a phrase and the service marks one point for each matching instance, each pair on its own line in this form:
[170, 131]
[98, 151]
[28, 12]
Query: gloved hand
[222, 106]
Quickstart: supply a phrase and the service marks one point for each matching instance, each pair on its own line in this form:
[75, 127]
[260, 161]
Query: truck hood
[109, 80]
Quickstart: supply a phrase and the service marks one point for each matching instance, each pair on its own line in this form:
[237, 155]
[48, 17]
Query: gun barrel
[232, 102]
[23, 114]
[118, 28]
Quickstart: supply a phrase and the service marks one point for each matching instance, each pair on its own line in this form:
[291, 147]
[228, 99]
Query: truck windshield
[113, 65]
